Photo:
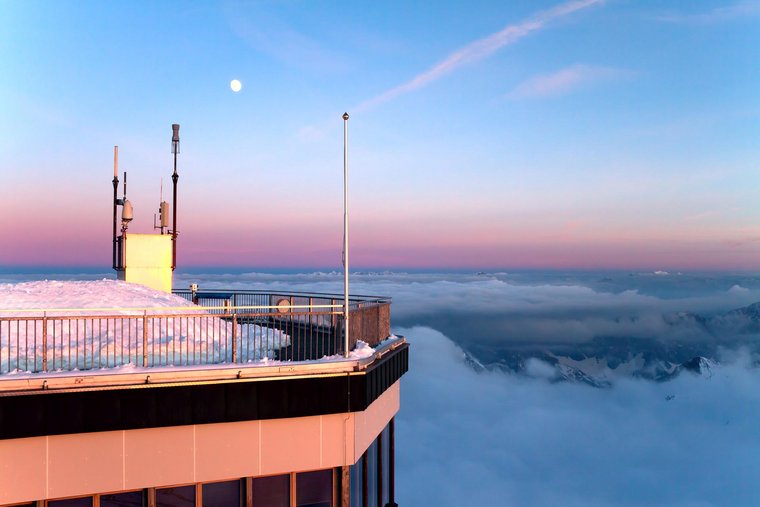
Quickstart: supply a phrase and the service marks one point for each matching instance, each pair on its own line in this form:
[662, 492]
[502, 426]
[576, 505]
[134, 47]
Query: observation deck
[236, 387]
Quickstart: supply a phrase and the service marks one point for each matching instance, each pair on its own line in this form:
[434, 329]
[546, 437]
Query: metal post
[115, 198]
[345, 487]
[345, 236]
[175, 177]
[145, 339]
[44, 342]
[234, 337]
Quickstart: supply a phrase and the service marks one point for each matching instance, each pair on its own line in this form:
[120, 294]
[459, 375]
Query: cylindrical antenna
[345, 235]
[175, 177]
[175, 138]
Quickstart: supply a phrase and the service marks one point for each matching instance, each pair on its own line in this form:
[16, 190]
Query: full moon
[236, 85]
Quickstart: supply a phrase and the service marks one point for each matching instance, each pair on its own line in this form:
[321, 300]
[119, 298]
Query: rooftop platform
[246, 328]
[230, 356]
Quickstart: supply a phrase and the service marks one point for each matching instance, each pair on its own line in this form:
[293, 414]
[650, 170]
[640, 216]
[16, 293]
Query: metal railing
[224, 327]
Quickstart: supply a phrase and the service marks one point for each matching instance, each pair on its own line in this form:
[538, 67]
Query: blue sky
[486, 134]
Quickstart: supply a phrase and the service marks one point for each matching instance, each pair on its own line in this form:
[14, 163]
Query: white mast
[345, 234]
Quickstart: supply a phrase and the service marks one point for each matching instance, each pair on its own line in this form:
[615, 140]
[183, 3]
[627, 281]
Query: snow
[122, 334]
[102, 294]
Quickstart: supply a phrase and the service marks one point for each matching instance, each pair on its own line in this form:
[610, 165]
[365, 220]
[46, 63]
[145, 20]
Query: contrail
[479, 49]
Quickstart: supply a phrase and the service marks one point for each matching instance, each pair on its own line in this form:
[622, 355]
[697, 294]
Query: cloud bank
[493, 439]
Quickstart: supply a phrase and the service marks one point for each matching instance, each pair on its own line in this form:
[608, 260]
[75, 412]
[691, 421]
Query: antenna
[175, 177]
[115, 199]
[345, 234]
[127, 213]
[163, 211]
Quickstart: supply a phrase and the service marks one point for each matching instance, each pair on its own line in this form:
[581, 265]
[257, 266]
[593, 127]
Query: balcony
[222, 328]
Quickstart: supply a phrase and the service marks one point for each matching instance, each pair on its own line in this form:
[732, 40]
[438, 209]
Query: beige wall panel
[85, 463]
[22, 469]
[371, 422]
[337, 440]
[289, 445]
[159, 457]
[227, 450]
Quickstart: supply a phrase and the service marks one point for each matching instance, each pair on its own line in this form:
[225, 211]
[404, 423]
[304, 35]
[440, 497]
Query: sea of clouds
[490, 438]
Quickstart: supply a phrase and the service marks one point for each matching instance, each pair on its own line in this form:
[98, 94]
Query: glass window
[372, 475]
[314, 489]
[130, 499]
[356, 483]
[178, 496]
[72, 502]
[271, 491]
[221, 494]
[386, 465]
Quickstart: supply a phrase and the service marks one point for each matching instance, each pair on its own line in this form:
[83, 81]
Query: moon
[236, 85]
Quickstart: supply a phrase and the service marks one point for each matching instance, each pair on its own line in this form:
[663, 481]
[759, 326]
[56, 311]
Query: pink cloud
[479, 50]
[565, 81]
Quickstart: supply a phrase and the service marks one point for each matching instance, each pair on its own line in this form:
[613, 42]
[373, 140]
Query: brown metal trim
[292, 489]
[249, 492]
[198, 494]
[345, 486]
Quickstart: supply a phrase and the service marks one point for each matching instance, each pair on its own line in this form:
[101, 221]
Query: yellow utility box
[147, 260]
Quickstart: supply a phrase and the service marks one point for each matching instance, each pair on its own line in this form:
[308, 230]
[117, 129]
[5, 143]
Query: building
[228, 399]
[247, 403]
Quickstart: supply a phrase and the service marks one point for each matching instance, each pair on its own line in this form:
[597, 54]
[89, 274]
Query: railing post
[234, 337]
[145, 338]
[44, 341]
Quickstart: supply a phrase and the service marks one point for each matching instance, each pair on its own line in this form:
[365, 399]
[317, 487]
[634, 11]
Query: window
[271, 491]
[371, 456]
[221, 494]
[314, 489]
[72, 502]
[130, 499]
[386, 440]
[178, 496]
[356, 483]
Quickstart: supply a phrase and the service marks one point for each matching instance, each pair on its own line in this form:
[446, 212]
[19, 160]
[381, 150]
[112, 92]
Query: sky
[585, 134]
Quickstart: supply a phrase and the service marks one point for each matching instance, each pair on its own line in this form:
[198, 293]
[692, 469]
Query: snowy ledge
[359, 359]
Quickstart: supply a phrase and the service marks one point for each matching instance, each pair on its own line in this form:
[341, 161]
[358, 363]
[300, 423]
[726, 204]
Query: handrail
[196, 308]
[44, 340]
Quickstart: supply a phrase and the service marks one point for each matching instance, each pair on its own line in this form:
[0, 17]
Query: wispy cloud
[716, 15]
[479, 50]
[565, 81]
[269, 34]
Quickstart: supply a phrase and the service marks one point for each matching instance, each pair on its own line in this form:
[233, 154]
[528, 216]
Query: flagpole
[345, 235]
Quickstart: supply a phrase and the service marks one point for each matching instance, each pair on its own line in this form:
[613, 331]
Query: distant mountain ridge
[602, 360]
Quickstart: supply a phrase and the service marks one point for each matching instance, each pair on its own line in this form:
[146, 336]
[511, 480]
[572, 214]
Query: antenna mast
[345, 235]
[175, 177]
[115, 198]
